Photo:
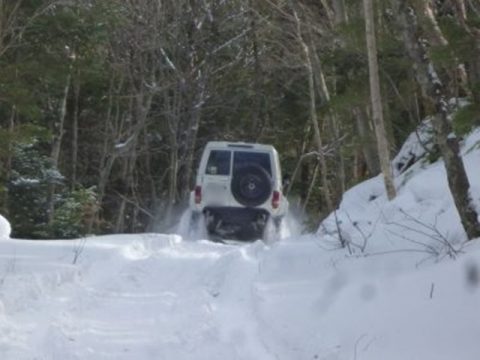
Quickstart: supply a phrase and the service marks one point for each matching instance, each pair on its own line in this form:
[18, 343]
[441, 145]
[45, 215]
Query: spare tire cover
[251, 185]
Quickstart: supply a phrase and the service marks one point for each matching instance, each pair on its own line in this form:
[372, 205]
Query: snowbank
[5, 228]
[421, 218]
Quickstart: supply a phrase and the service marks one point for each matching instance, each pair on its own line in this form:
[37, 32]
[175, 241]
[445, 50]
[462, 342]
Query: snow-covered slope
[407, 288]
[421, 218]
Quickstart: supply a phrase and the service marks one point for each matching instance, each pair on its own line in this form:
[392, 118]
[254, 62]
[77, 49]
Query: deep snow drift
[406, 287]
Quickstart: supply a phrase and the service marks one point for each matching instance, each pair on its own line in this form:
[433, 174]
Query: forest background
[105, 106]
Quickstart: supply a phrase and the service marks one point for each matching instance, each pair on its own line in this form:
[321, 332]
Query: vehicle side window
[218, 163]
[241, 158]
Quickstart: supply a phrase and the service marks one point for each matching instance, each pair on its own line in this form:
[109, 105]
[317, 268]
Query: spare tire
[251, 185]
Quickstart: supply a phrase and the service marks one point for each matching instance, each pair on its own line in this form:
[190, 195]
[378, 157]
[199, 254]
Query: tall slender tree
[376, 99]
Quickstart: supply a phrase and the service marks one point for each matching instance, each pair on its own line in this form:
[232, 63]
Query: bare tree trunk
[382, 140]
[340, 158]
[6, 172]
[57, 145]
[302, 157]
[148, 167]
[108, 154]
[257, 81]
[60, 124]
[329, 12]
[304, 182]
[368, 143]
[460, 9]
[313, 180]
[75, 136]
[359, 165]
[174, 105]
[8, 16]
[436, 35]
[141, 105]
[11, 129]
[473, 64]
[193, 125]
[172, 188]
[322, 88]
[445, 139]
[314, 117]
[2, 24]
[436, 38]
[341, 16]
[120, 222]
[317, 135]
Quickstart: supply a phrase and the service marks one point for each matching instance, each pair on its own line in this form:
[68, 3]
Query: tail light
[198, 194]
[276, 199]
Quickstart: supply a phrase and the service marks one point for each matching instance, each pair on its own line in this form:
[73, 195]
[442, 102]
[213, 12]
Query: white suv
[238, 190]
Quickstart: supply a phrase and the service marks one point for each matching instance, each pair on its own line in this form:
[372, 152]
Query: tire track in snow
[230, 285]
[165, 305]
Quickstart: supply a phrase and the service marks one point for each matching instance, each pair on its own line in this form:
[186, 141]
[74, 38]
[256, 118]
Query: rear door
[217, 178]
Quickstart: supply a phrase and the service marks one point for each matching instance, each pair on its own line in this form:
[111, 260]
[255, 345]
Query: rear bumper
[235, 223]
[236, 215]
[233, 209]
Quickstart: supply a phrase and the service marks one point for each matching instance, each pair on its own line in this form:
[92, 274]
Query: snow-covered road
[157, 296]
[142, 297]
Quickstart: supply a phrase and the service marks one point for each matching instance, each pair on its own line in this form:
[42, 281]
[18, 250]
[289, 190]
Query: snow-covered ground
[406, 287]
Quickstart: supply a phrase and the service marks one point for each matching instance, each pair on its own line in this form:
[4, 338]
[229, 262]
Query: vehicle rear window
[242, 158]
[218, 163]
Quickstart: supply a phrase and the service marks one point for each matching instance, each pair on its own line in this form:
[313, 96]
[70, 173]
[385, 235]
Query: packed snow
[405, 286]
